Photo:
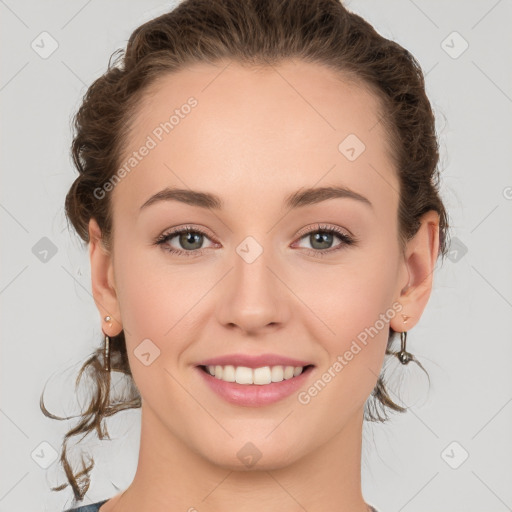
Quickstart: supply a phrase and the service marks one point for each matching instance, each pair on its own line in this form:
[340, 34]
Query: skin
[256, 136]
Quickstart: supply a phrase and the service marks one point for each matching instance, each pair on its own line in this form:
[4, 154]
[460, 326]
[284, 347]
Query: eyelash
[346, 240]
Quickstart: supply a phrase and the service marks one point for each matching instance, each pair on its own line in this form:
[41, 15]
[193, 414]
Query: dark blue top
[93, 507]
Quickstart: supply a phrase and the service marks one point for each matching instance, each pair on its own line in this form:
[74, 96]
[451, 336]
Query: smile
[259, 376]
[254, 387]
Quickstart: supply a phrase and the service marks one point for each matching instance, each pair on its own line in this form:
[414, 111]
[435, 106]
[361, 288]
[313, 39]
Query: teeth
[258, 376]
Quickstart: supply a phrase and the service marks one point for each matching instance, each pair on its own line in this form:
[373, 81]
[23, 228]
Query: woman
[258, 189]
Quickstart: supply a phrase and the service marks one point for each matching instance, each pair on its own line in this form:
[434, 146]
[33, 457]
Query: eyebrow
[298, 199]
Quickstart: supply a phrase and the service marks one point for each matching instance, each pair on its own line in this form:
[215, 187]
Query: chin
[258, 454]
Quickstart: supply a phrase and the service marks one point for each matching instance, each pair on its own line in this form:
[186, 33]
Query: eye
[190, 238]
[321, 239]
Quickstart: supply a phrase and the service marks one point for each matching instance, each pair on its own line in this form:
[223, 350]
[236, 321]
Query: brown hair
[254, 33]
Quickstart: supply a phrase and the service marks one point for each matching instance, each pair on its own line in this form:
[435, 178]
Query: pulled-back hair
[252, 33]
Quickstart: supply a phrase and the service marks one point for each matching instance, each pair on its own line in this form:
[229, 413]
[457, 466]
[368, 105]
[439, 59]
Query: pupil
[322, 238]
[189, 237]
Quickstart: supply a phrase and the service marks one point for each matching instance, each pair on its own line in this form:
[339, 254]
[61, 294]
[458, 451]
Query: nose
[253, 297]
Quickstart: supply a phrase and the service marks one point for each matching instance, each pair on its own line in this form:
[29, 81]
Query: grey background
[50, 323]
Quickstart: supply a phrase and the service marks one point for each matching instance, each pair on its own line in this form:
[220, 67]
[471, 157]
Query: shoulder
[93, 507]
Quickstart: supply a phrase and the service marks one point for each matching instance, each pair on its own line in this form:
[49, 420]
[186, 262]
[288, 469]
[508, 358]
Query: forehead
[246, 132]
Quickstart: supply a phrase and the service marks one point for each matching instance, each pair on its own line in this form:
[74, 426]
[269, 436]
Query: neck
[170, 476]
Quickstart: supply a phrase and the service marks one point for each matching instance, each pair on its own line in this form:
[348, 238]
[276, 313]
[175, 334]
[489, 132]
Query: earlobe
[102, 279]
[420, 259]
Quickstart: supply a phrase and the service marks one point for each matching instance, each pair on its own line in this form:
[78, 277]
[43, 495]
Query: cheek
[357, 310]
[353, 306]
[163, 303]
[346, 299]
[153, 301]
[154, 311]
[152, 293]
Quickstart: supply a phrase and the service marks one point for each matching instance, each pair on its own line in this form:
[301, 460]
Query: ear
[419, 262]
[102, 277]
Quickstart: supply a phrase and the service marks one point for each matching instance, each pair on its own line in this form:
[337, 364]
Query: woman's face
[256, 275]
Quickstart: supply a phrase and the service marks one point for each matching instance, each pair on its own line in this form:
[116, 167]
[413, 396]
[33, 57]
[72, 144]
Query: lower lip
[255, 395]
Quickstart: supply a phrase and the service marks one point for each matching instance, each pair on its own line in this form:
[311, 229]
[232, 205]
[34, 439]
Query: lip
[256, 361]
[255, 395]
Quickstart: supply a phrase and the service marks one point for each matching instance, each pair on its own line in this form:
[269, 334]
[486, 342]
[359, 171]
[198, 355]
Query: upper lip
[256, 361]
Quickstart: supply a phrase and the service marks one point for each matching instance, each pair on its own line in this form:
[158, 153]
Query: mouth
[262, 376]
[255, 387]
[254, 380]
